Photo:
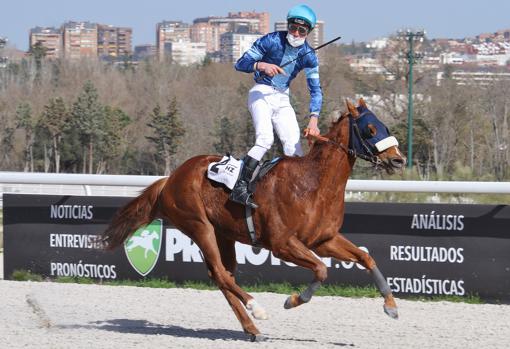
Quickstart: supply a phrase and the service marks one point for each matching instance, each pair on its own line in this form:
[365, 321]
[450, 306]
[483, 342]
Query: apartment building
[202, 31]
[50, 38]
[234, 44]
[210, 29]
[145, 51]
[170, 31]
[187, 52]
[79, 40]
[263, 18]
[114, 41]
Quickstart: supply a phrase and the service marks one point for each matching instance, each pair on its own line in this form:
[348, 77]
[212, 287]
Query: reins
[371, 157]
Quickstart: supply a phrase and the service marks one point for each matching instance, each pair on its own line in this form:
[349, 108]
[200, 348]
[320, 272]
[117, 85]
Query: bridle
[370, 156]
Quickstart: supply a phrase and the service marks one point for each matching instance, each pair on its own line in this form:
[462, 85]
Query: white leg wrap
[256, 309]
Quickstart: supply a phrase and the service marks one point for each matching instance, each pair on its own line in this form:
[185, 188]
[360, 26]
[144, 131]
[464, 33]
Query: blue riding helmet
[302, 12]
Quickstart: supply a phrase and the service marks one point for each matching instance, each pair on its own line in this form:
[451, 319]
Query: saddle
[227, 171]
[261, 171]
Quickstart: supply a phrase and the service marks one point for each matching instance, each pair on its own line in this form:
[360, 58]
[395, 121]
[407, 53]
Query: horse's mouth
[392, 165]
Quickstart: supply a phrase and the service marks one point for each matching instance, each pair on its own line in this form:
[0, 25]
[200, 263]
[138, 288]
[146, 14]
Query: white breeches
[270, 109]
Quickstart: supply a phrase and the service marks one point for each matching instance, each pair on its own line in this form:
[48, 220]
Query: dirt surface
[52, 315]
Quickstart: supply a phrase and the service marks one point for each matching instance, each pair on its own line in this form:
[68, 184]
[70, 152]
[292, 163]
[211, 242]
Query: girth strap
[251, 226]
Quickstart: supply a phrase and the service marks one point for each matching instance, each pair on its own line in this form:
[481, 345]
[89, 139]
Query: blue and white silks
[273, 48]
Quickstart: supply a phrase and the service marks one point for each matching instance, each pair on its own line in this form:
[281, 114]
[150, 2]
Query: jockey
[268, 100]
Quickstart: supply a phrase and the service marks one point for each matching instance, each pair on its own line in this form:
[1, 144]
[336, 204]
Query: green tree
[168, 132]
[87, 116]
[55, 120]
[246, 137]
[225, 136]
[38, 52]
[110, 144]
[25, 122]
[7, 145]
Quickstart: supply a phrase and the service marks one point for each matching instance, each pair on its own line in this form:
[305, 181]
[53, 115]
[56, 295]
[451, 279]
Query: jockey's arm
[250, 61]
[314, 87]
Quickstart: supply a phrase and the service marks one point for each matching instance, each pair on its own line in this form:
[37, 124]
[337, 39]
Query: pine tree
[24, 121]
[168, 132]
[246, 138]
[38, 52]
[109, 147]
[225, 136]
[55, 120]
[7, 145]
[87, 116]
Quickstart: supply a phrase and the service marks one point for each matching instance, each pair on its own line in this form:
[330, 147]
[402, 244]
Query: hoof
[292, 301]
[257, 337]
[391, 311]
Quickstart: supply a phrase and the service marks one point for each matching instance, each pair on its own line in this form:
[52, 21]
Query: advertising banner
[422, 249]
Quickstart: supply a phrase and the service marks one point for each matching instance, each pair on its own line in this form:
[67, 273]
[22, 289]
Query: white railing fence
[129, 185]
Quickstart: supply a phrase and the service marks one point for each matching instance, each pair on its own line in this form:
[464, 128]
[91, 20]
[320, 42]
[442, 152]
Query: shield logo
[143, 247]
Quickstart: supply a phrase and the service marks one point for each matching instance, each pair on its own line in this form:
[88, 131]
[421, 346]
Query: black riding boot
[240, 193]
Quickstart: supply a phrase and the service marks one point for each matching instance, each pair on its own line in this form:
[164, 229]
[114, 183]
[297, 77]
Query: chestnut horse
[301, 209]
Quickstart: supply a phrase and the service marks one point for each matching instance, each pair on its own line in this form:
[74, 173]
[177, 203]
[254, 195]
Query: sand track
[52, 315]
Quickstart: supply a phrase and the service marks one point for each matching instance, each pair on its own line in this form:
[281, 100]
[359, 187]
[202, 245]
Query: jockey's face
[297, 30]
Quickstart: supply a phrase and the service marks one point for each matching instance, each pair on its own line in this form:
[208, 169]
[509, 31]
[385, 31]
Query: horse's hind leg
[342, 249]
[296, 252]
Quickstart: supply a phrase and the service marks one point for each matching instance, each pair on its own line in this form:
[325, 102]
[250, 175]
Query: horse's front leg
[294, 251]
[342, 249]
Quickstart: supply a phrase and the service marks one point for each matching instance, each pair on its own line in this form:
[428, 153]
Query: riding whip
[301, 56]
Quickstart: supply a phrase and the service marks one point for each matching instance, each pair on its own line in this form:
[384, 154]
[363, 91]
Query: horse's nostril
[397, 162]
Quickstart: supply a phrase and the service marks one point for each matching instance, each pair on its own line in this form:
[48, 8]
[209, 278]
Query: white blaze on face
[398, 152]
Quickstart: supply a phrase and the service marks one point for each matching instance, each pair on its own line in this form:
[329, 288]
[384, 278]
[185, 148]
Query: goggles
[302, 31]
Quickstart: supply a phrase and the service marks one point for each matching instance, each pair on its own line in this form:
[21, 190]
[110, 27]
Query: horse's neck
[332, 161]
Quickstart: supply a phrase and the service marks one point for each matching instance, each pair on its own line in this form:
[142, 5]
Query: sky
[353, 20]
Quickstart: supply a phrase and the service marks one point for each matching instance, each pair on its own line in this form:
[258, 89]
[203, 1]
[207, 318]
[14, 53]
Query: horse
[300, 213]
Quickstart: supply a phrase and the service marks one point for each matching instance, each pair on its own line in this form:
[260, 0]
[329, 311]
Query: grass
[26, 275]
[280, 288]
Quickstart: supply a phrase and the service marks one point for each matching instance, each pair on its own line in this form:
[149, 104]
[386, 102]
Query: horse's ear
[362, 104]
[351, 108]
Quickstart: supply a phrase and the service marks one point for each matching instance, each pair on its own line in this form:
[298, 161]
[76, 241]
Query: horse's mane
[333, 131]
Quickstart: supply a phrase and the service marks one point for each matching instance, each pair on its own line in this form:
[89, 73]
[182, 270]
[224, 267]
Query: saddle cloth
[225, 171]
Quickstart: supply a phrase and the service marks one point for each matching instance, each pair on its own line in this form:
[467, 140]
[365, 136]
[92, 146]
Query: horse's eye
[372, 130]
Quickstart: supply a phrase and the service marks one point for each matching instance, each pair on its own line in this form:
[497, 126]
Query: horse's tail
[138, 212]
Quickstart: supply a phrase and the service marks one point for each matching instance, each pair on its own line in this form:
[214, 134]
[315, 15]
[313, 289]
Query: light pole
[411, 36]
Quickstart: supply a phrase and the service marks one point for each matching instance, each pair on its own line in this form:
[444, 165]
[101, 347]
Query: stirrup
[241, 195]
[250, 202]
[245, 200]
